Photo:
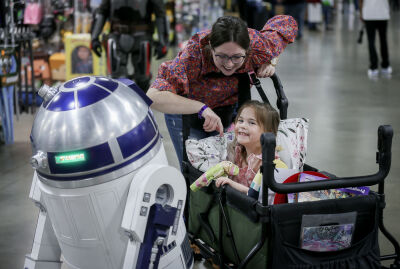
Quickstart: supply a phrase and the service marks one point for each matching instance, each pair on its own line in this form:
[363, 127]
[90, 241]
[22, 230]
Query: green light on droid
[70, 158]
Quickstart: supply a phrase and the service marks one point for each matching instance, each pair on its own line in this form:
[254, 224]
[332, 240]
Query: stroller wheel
[196, 249]
[197, 256]
[196, 252]
[213, 264]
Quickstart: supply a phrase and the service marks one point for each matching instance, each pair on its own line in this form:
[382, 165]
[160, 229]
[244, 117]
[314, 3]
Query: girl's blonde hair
[266, 116]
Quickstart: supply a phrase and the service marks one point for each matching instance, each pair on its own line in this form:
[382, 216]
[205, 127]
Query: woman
[204, 78]
[376, 14]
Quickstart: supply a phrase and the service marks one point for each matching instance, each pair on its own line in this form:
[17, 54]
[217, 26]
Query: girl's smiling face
[228, 57]
[248, 131]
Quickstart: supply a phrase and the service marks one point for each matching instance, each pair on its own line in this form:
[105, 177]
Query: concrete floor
[325, 79]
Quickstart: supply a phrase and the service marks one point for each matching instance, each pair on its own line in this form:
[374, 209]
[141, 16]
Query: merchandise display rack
[193, 16]
[16, 51]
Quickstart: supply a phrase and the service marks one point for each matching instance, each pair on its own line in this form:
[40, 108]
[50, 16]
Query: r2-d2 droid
[107, 197]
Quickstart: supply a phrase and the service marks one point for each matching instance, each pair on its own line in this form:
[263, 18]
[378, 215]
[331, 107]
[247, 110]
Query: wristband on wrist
[274, 61]
[200, 113]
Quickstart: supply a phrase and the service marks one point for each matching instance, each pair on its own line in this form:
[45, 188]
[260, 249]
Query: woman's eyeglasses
[236, 59]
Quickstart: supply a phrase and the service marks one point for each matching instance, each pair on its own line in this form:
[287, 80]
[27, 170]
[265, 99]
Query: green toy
[221, 169]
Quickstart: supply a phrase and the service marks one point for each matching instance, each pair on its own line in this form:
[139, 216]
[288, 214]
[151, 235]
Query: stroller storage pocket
[286, 230]
[204, 223]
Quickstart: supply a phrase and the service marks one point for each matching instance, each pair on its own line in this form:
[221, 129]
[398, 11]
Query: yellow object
[228, 5]
[57, 66]
[80, 60]
[279, 164]
[64, 34]
[274, 61]
[224, 168]
[279, 9]
[107, 27]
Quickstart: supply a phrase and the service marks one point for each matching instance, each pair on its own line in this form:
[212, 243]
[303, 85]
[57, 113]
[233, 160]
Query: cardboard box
[80, 60]
[41, 71]
[57, 66]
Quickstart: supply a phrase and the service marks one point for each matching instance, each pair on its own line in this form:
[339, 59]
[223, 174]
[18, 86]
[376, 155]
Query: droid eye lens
[164, 194]
[34, 163]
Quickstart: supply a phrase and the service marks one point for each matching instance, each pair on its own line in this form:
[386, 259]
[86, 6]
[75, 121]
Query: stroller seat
[237, 231]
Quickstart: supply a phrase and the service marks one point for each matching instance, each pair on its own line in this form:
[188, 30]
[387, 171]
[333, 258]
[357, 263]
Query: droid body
[107, 197]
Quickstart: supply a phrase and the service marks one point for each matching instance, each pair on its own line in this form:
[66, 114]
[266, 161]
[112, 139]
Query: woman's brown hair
[229, 29]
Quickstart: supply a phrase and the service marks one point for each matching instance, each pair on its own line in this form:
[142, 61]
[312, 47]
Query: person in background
[297, 9]
[375, 15]
[205, 78]
[311, 5]
[327, 8]
[395, 5]
[356, 7]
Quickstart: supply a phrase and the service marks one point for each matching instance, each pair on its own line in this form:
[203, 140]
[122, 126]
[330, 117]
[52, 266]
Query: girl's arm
[254, 190]
[224, 180]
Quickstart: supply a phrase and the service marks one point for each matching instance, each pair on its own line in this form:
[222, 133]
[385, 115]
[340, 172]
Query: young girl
[254, 118]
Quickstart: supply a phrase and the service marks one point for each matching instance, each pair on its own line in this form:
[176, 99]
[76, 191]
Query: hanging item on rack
[33, 13]
[8, 72]
[47, 27]
[9, 77]
[16, 44]
[193, 16]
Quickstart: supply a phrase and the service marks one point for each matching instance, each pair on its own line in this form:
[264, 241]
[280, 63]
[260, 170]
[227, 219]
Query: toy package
[324, 194]
[57, 66]
[327, 232]
[80, 60]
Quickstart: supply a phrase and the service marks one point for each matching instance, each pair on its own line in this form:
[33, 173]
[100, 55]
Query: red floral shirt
[187, 74]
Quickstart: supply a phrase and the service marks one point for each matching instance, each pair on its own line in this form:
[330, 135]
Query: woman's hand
[212, 122]
[265, 70]
[222, 181]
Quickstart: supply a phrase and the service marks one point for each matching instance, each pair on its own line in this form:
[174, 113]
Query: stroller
[236, 231]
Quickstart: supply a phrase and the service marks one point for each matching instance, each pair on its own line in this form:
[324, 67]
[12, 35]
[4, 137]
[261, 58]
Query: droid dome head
[92, 129]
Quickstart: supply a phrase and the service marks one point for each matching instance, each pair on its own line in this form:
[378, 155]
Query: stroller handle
[282, 102]
[383, 158]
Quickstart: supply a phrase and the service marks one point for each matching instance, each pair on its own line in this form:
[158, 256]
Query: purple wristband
[200, 114]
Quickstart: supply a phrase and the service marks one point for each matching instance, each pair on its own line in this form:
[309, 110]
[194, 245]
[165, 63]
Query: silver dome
[91, 126]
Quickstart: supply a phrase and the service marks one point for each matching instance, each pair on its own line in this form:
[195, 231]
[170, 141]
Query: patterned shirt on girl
[248, 169]
[249, 172]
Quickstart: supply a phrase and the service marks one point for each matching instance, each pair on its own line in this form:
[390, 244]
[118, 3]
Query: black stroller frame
[280, 253]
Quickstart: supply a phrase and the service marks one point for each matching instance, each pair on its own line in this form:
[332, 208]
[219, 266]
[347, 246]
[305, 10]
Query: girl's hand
[265, 70]
[222, 181]
[227, 181]
[212, 122]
